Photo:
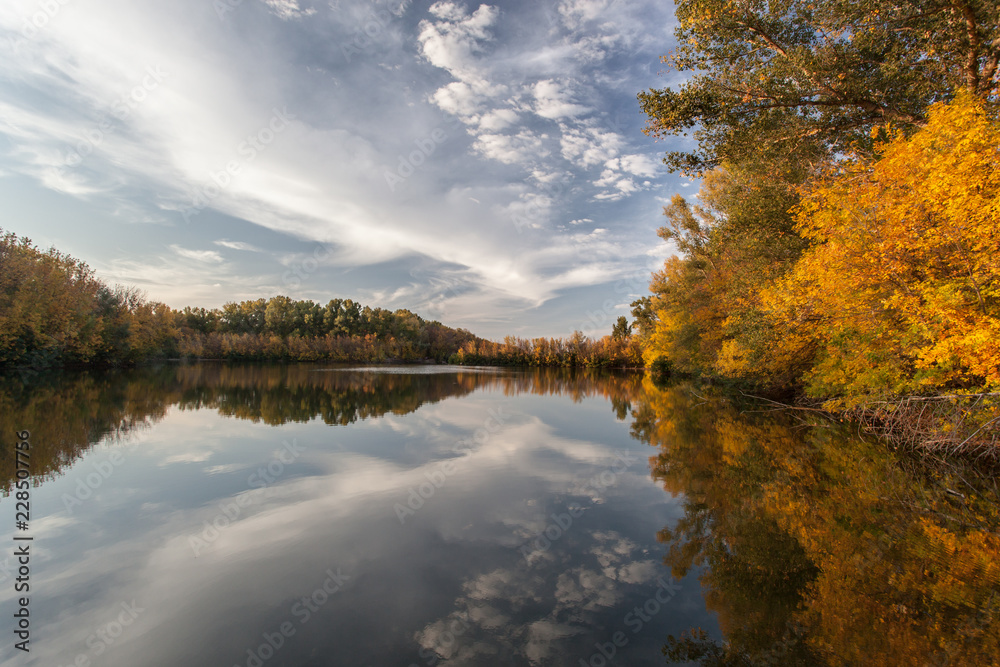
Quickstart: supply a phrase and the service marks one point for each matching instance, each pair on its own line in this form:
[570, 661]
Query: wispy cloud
[524, 97]
[288, 9]
[197, 255]
[237, 245]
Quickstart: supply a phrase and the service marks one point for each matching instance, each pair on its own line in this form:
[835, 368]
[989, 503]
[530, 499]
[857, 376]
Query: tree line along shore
[55, 312]
[843, 245]
[842, 248]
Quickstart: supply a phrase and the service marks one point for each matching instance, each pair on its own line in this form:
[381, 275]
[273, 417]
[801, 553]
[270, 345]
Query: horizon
[478, 164]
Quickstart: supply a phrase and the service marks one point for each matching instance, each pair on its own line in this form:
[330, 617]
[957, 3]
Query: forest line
[842, 247]
[55, 312]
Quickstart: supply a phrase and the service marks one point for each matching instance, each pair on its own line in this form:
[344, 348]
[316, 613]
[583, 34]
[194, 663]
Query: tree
[53, 311]
[330, 313]
[279, 315]
[737, 241]
[622, 329]
[792, 81]
[816, 547]
[348, 319]
[901, 290]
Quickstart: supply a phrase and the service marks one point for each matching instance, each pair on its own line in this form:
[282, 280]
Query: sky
[479, 164]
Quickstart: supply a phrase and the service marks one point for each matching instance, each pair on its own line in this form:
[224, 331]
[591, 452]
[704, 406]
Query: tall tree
[622, 329]
[793, 80]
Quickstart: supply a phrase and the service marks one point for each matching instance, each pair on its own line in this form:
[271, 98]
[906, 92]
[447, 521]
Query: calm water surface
[307, 516]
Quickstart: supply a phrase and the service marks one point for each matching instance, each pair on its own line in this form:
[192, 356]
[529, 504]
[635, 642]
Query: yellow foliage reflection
[820, 547]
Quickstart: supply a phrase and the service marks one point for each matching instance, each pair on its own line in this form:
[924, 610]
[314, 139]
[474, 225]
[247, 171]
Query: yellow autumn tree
[900, 291]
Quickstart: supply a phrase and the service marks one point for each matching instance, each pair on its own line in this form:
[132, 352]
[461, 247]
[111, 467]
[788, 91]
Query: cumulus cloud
[454, 41]
[498, 119]
[552, 101]
[588, 146]
[517, 148]
[459, 99]
[575, 13]
[639, 165]
[531, 141]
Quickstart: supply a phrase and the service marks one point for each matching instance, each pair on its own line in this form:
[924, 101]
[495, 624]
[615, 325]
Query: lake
[304, 515]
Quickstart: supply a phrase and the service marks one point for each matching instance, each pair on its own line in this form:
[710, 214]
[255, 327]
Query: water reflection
[452, 516]
[819, 547]
[68, 413]
[215, 564]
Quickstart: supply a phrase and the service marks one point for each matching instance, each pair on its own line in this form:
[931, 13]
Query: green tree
[279, 315]
[348, 320]
[621, 329]
[795, 80]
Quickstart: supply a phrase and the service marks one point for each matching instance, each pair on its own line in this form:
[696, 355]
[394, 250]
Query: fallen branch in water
[786, 406]
[953, 425]
[947, 425]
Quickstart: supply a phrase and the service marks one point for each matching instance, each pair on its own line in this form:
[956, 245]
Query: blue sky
[480, 164]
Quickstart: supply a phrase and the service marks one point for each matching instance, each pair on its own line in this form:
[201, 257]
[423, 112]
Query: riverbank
[946, 425]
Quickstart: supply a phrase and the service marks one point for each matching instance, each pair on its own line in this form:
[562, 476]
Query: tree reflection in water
[820, 547]
[67, 413]
[814, 546]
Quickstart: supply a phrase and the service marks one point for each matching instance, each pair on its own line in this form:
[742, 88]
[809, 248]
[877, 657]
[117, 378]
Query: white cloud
[498, 119]
[575, 13]
[453, 41]
[197, 255]
[638, 165]
[459, 99]
[536, 112]
[237, 245]
[616, 178]
[519, 148]
[589, 146]
[553, 101]
[288, 9]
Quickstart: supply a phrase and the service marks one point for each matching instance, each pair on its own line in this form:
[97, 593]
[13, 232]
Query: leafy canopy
[794, 80]
[901, 290]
